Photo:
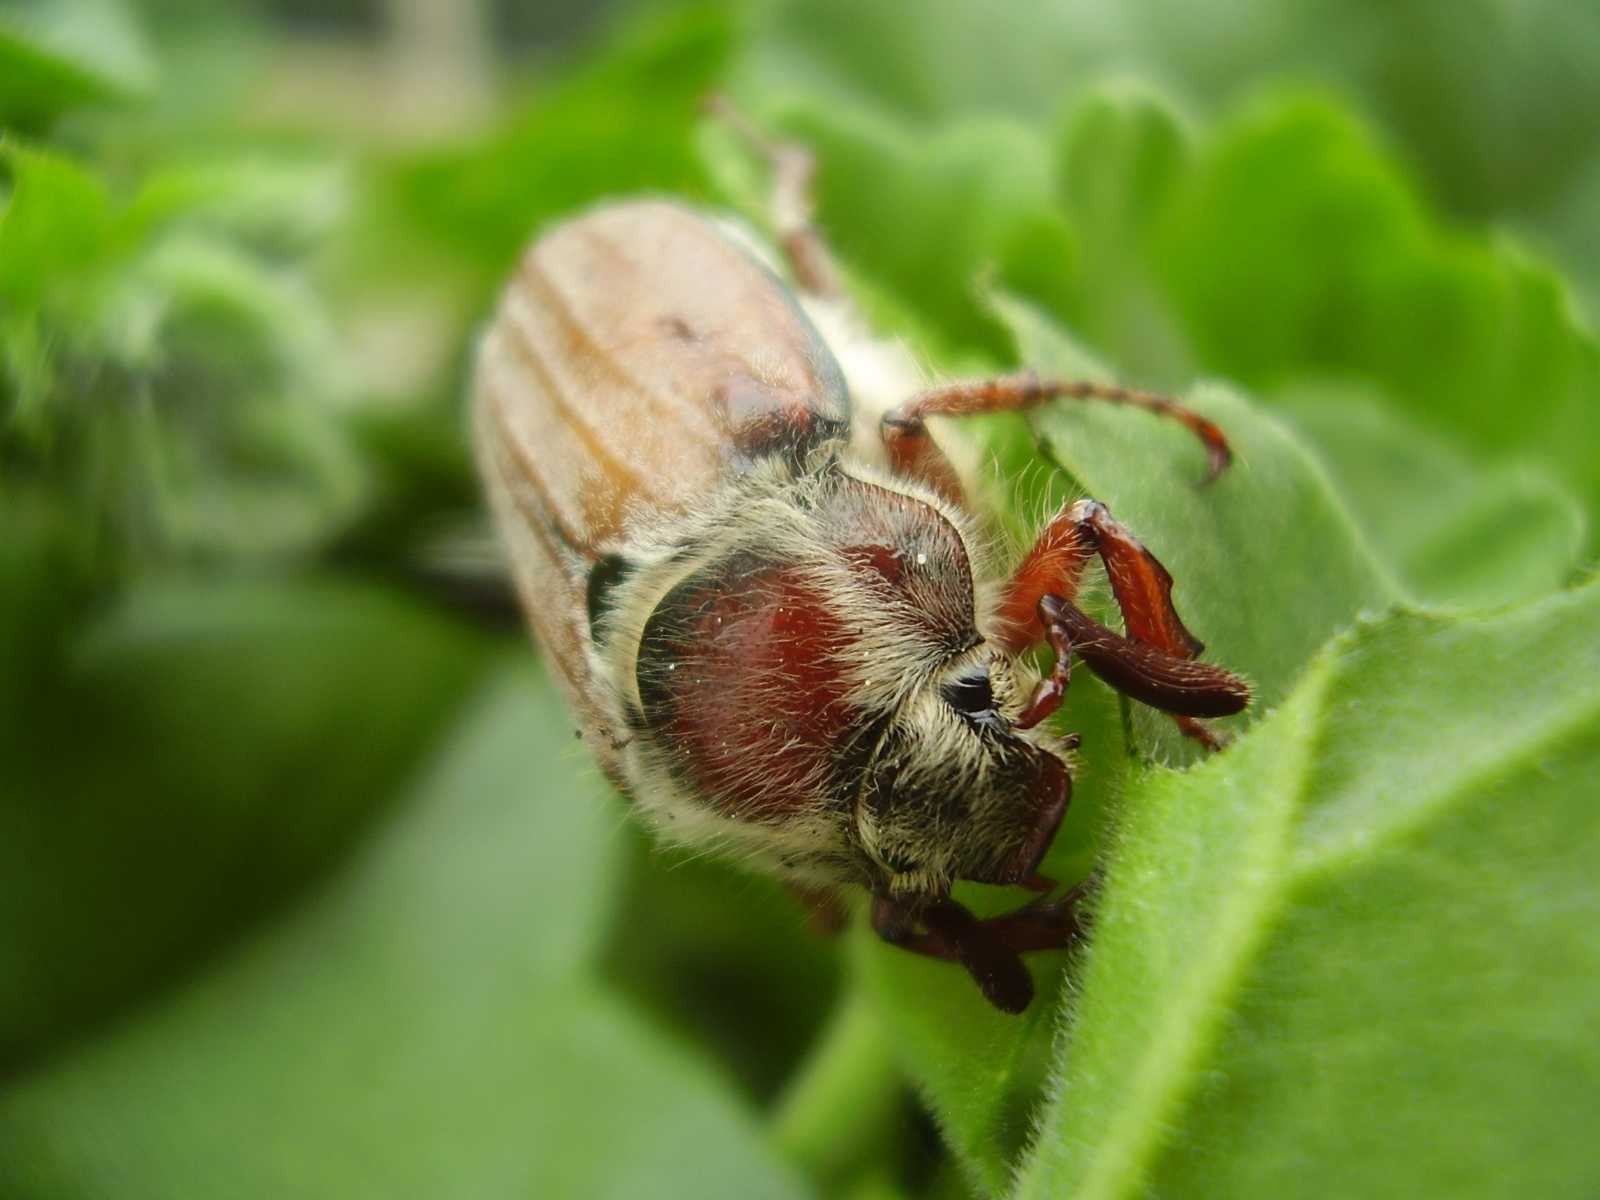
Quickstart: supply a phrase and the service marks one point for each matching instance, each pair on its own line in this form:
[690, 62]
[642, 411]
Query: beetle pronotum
[755, 574]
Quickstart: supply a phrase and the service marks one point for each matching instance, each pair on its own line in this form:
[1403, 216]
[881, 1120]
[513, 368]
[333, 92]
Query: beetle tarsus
[1180, 686]
[991, 950]
[1052, 689]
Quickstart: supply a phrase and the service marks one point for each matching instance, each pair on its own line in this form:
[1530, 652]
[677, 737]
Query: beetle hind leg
[794, 170]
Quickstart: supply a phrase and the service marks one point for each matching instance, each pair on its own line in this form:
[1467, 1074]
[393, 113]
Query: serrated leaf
[1497, 105]
[1299, 251]
[1320, 958]
[422, 1026]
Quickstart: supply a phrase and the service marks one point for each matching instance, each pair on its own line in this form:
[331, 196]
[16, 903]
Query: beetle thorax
[783, 659]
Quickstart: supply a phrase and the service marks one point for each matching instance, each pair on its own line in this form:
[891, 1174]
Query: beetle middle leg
[1155, 663]
[912, 451]
[991, 950]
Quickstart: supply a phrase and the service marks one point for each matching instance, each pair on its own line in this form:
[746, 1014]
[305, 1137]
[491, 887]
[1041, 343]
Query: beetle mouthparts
[1054, 789]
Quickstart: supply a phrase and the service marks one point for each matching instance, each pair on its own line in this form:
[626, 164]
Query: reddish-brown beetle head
[955, 792]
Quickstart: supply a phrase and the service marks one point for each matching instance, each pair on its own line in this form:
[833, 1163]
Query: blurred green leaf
[281, 202]
[171, 380]
[1497, 105]
[205, 750]
[421, 1026]
[929, 216]
[1359, 945]
[1121, 155]
[1457, 532]
[1299, 252]
[623, 123]
[724, 956]
[56, 224]
[58, 54]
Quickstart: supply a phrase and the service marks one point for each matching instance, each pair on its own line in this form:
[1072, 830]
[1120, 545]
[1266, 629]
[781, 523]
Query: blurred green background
[306, 888]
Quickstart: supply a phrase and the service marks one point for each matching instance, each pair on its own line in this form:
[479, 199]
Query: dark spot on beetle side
[762, 422]
[678, 329]
[634, 716]
[600, 596]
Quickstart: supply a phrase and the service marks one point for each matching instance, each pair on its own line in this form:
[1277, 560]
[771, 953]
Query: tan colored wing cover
[631, 356]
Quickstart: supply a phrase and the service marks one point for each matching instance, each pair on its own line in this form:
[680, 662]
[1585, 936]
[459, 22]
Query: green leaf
[202, 752]
[915, 58]
[1298, 251]
[57, 54]
[282, 203]
[1358, 946]
[981, 1071]
[1457, 532]
[422, 1026]
[242, 452]
[1268, 565]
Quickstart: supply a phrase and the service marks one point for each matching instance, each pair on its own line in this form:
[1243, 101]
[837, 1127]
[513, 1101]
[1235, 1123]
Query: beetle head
[955, 792]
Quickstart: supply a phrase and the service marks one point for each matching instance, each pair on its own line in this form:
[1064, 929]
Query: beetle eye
[970, 694]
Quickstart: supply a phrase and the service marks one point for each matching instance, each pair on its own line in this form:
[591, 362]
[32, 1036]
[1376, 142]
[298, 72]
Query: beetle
[758, 578]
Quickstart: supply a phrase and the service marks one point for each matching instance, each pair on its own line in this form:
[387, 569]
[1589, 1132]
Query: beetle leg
[1155, 663]
[1055, 565]
[1179, 686]
[991, 950]
[793, 170]
[912, 452]
[1052, 688]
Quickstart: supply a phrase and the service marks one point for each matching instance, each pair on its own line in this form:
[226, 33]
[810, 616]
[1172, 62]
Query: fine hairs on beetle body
[756, 575]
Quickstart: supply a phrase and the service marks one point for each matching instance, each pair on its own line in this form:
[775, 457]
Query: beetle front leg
[1155, 663]
[991, 950]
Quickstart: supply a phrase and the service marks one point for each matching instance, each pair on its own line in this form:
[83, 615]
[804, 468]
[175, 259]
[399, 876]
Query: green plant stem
[846, 1101]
